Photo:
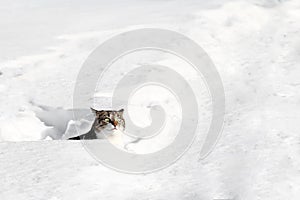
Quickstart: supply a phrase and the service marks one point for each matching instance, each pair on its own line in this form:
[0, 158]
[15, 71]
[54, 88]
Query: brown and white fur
[108, 124]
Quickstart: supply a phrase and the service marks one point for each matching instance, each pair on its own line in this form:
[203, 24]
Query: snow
[255, 46]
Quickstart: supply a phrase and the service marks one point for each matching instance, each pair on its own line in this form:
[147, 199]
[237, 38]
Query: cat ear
[93, 110]
[121, 111]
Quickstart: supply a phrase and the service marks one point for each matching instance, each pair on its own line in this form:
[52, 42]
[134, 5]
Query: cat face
[109, 120]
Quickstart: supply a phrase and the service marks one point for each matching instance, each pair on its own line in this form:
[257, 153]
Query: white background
[255, 46]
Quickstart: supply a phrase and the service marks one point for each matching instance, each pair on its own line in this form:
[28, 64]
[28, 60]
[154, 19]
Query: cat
[108, 124]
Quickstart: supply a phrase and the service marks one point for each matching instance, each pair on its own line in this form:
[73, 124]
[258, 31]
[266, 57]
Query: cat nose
[115, 123]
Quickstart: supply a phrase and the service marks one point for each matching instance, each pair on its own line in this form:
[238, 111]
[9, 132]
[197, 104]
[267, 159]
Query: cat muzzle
[115, 123]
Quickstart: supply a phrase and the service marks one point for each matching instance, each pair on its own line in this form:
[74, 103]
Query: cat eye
[107, 120]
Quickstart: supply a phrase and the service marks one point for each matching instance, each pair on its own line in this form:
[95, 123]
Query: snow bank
[255, 47]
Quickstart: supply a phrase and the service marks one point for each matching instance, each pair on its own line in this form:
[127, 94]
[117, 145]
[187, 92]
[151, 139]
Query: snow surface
[255, 46]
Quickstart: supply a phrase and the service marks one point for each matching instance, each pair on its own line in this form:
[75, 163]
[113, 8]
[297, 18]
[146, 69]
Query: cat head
[108, 119]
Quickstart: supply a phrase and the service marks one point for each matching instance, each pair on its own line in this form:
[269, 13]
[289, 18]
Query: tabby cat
[107, 124]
